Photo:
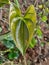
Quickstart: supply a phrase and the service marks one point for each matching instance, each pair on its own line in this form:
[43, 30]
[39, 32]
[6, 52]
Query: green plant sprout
[22, 27]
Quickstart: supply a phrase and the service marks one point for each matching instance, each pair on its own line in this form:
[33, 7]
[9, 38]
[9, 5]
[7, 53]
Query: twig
[4, 33]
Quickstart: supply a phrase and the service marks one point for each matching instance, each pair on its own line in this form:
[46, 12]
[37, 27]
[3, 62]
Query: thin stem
[17, 3]
[25, 62]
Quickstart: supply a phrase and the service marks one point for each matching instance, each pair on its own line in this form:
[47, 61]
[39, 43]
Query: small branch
[4, 33]
[25, 62]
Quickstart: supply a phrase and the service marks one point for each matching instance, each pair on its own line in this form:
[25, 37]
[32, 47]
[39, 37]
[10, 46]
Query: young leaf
[14, 12]
[31, 13]
[39, 32]
[33, 43]
[44, 18]
[22, 28]
[17, 3]
[30, 20]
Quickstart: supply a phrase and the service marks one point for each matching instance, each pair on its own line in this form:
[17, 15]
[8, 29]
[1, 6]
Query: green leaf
[39, 32]
[0, 29]
[14, 12]
[40, 14]
[4, 36]
[2, 2]
[44, 18]
[31, 13]
[8, 43]
[22, 27]
[13, 54]
[30, 20]
[17, 3]
[33, 43]
[1, 60]
[20, 34]
[31, 26]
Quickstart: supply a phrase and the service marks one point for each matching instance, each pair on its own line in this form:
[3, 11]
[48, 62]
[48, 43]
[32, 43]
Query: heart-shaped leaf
[22, 27]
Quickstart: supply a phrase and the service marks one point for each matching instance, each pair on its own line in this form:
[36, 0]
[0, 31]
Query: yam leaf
[22, 27]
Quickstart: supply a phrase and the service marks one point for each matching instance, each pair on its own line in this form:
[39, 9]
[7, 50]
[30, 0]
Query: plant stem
[17, 3]
[25, 63]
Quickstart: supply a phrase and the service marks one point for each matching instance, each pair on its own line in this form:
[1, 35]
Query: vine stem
[25, 62]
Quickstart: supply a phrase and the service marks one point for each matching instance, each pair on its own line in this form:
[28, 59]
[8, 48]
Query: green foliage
[2, 2]
[5, 36]
[1, 61]
[40, 14]
[14, 54]
[7, 40]
[44, 18]
[39, 32]
[14, 12]
[8, 43]
[33, 43]
[0, 29]
[16, 2]
[22, 27]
